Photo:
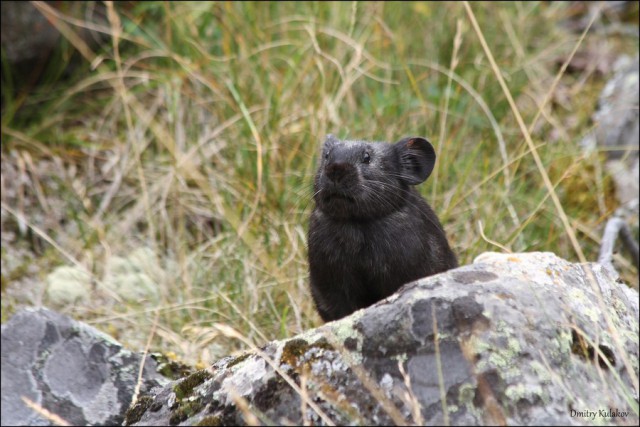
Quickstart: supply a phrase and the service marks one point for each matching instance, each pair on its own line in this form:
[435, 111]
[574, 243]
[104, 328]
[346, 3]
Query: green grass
[197, 138]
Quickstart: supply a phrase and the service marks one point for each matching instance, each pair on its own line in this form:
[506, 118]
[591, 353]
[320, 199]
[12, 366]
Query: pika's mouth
[333, 196]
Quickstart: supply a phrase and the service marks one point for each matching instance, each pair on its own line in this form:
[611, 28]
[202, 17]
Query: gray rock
[617, 134]
[617, 129]
[521, 339]
[26, 34]
[510, 339]
[28, 37]
[68, 368]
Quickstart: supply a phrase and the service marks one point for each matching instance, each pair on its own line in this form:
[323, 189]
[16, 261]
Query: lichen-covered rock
[68, 368]
[511, 339]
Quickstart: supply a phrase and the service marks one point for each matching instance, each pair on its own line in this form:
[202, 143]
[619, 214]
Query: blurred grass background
[170, 168]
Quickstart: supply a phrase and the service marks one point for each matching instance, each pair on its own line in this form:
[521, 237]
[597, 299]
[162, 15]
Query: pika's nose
[336, 172]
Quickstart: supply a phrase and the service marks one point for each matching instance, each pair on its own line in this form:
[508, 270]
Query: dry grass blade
[54, 418]
[136, 390]
[125, 96]
[256, 136]
[539, 207]
[494, 415]
[457, 41]
[566, 63]
[443, 392]
[414, 403]
[493, 242]
[53, 17]
[241, 403]
[304, 398]
[237, 309]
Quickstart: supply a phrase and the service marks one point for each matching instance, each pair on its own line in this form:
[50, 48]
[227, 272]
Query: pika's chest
[356, 241]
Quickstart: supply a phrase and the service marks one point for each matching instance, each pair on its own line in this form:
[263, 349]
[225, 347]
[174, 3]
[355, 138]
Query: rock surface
[521, 339]
[68, 368]
[28, 36]
[617, 130]
[511, 339]
[617, 134]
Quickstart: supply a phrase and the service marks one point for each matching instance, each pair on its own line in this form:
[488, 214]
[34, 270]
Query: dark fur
[371, 232]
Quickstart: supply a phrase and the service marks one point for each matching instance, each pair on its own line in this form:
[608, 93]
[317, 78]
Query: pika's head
[368, 180]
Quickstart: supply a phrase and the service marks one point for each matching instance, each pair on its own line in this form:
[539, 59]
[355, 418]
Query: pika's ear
[330, 140]
[417, 159]
[327, 146]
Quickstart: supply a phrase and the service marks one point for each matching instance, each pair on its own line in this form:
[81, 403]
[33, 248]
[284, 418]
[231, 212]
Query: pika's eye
[366, 157]
[326, 154]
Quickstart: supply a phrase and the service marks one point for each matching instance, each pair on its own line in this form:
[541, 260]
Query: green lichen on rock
[185, 387]
[502, 349]
[187, 404]
[171, 369]
[292, 351]
[466, 393]
[135, 411]
[185, 409]
[588, 309]
[210, 420]
[346, 333]
[345, 329]
[466, 399]
[519, 392]
[239, 359]
[296, 348]
[565, 341]
[542, 372]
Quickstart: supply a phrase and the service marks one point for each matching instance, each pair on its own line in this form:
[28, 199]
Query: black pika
[370, 231]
